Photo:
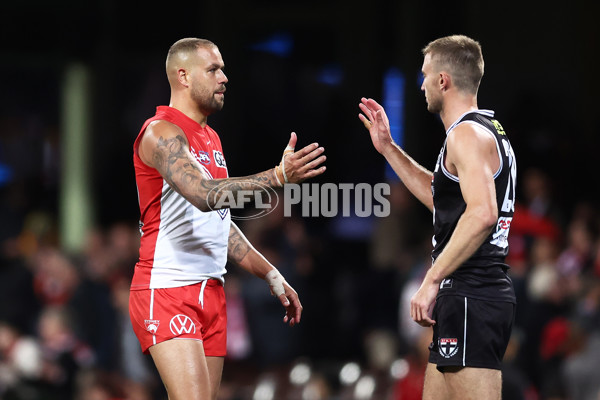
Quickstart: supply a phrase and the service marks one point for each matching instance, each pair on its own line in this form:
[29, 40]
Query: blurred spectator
[133, 366]
[64, 355]
[576, 258]
[55, 276]
[18, 303]
[397, 236]
[410, 384]
[536, 215]
[515, 383]
[20, 364]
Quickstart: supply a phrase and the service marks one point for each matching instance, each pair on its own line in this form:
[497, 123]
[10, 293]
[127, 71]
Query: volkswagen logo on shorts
[258, 201]
[181, 324]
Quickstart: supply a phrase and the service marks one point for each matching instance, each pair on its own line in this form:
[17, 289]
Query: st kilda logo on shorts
[181, 324]
[448, 347]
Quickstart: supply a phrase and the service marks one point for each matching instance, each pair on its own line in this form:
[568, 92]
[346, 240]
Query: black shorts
[477, 339]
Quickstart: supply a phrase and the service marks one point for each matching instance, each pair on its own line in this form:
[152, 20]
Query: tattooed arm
[164, 147]
[242, 253]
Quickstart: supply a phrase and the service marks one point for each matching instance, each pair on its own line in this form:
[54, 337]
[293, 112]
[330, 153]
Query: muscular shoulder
[471, 143]
[160, 134]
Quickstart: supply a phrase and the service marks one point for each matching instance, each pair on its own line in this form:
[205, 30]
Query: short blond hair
[461, 57]
[187, 45]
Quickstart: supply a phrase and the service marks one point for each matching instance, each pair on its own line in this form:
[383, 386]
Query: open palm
[376, 121]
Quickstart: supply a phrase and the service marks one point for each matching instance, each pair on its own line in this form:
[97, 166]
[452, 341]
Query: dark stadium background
[298, 66]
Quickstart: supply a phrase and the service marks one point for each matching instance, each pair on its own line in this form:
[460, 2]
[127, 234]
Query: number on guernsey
[500, 237]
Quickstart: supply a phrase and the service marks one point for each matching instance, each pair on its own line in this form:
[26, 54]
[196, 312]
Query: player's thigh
[183, 369]
[215, 371]
[434, 387]
[474, 383]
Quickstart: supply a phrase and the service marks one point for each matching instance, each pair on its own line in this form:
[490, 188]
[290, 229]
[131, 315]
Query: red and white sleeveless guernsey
[180, 245]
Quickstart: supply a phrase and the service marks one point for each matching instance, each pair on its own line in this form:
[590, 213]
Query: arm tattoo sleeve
[238, 245]
[175, 163]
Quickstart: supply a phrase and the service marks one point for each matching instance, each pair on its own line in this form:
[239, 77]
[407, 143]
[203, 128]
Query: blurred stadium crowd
[65, 331]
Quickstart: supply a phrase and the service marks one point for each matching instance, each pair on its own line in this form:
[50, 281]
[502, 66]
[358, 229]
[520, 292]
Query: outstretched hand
[377, 123]
[303, 164]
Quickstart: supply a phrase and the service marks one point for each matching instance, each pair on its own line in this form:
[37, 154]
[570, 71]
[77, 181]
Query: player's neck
[456, 106]
[190, 109]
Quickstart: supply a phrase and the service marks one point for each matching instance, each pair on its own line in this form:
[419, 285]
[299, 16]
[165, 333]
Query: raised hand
[376, 121]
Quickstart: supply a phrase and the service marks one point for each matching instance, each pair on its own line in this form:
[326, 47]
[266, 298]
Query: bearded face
[208, 81]
[208, 98]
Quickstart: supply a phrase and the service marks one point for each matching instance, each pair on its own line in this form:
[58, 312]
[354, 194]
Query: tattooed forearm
[181, 171]
[238, 245]
[218, 189]
[172, 160]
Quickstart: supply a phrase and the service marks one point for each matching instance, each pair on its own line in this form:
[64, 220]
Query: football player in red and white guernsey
[181, 176]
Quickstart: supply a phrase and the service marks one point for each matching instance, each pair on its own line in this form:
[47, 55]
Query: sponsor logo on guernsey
[219, 159]
[448, 347]
[181, 324]
[151, 325]
[202, 156]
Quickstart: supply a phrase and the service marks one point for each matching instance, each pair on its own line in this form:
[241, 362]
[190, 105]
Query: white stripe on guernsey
[465, 335]
[152, 312]
[201, 297]
[454, 177]
[206, 172]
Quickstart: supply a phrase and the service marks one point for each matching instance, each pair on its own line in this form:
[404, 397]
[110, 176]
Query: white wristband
[285, 179]
[288, 150]
[277, 178]
[275, 281]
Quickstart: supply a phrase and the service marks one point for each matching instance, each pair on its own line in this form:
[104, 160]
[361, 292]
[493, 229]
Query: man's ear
[444, 81]
[182, 77]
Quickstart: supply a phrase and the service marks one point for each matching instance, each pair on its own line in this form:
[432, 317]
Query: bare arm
[164, 147]
[414, 176]
[242, 253]
[472, 156]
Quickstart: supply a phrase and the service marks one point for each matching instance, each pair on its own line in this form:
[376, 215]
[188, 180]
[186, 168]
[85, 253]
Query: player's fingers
[314, 163]
[417, 314]
[373, 105]
[297, 310]
[284, 300]
[367, 111]
[304, 151]
[365, 121]
[314, 172]
[364, 102]
[311, 156]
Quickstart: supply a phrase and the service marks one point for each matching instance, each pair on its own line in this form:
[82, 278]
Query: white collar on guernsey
[487, 113]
